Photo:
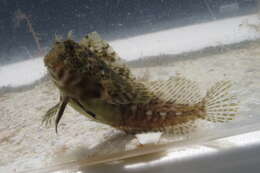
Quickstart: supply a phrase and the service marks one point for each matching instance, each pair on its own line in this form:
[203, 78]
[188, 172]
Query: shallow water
[25, 144]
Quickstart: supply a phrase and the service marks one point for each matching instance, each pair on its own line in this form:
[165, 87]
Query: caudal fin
[220, 105]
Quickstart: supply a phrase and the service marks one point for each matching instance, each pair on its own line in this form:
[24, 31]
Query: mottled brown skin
[157, 116]
[67, 76]
[106, 92]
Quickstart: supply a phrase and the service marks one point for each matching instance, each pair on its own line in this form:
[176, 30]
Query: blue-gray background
[111, 18]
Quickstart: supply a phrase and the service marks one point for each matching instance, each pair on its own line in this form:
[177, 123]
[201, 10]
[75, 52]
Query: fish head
[64, 56]
[74, 69]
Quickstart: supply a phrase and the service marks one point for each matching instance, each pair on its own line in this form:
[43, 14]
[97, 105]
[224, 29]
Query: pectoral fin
[62, 106]
[50, 114]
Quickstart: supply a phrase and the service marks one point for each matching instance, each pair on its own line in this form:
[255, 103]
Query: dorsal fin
[57, 38]
[70, 35]
[176, 89]
[100, 47]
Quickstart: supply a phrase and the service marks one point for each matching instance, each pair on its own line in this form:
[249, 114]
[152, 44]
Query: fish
[94, 80]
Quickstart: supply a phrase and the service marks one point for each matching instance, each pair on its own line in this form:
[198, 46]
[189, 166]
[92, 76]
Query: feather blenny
[91, 79]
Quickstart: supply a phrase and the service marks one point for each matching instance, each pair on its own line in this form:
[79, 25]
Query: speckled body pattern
[92, 80]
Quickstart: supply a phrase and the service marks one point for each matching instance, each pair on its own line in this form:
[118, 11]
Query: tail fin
[220, 105]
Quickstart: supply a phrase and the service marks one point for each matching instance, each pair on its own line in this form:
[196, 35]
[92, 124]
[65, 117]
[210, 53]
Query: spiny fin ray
[99, 47]
[177, 90]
